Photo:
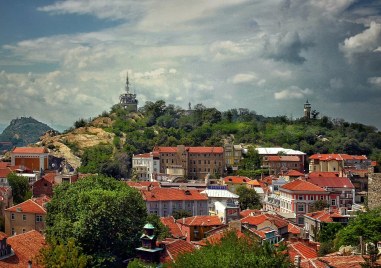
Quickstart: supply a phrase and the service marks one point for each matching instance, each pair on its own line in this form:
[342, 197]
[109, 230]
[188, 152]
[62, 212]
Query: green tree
[62, 255]
[366, 225]
[104, 216]
[234, 252]
[248, 198]
[181, 213]
[20, 187]
[319, 205]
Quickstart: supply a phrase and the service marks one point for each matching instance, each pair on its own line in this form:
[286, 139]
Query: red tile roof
[148, 155]
[325, 215]
[323, 174]
[30, 150]
[142, 184]
[254, 183]
[175, 248]
[337, 157]
[26, 247]
[174, 229]
[294, 173]
[167, 194]
[28, 206]
[293, 229]
[249, 212]
[4, 164]
[259, 219]
[50, 177]
[301, 249]
[283, 158]
[352, 261]
[302, 185]
[216, 236]
[42, 200]
[3, 235]
[200, 221]
[202, 150]
[237, 180]
[4, 172]
[336, 182]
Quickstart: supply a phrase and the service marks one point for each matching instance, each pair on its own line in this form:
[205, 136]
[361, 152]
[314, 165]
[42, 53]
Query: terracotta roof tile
[174, 248]
[354, 261]
[294, 173]
[4, 164]
[142, 184]
[237, 180]
[325, 215]
[301, 249]
[50, 177]
[30, 150]
[337, 157]
[167, 194]
[259, 219]
[332, 182]
[170, 222]
[249, 212]
[254, 183]
[200, 221]
[302, 185]
[323, 174]
[28, 206]
[283, 158]
[293, 228]
[26, 247]
[3, 235]
[4, 172]
[203, 150]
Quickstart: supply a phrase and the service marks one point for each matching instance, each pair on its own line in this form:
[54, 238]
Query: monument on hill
[128, 100]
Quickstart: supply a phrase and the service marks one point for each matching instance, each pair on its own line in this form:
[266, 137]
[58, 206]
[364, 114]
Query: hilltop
[106, 144]
[23, 131]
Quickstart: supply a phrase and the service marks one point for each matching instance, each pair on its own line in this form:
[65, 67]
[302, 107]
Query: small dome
[149, 226]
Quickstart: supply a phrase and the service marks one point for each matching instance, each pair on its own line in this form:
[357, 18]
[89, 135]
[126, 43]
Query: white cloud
[367, 41]
[292, 92]
[375, 81]
[243, 78]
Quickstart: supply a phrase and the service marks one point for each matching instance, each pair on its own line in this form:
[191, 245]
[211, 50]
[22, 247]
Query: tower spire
[127, 84]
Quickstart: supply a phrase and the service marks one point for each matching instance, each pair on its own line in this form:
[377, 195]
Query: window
[12, 216]
[301, 197]
[23, 230]
[13, 231]
[311, 197]
[300, 208]
[333, 202]
[301, 220]
[23, 217]
[38, 218]
[321, 197]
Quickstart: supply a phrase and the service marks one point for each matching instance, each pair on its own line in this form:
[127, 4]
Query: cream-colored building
[26, 216]
[341, 163]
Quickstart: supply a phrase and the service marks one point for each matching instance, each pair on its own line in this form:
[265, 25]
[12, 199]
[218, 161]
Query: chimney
[297, 261]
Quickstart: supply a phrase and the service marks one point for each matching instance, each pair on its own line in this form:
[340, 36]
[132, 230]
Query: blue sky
[64, 60]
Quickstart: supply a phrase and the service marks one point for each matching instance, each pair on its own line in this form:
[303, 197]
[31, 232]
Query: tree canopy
[365, 224]
[20, 187]
[104, 217]
[248, 198]
[234, 252]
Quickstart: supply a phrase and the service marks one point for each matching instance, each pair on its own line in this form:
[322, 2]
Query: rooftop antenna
[127, 84]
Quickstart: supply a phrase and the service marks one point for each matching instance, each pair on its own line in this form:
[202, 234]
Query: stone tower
[307, 110]
[128, 100]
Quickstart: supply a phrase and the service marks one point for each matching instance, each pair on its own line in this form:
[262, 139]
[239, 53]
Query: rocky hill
[23, 131]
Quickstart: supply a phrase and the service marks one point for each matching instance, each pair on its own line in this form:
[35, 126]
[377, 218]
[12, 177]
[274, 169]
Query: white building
[219, 193]
[146, 166]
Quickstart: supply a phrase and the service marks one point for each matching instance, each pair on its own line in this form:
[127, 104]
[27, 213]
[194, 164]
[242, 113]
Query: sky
[65, 60]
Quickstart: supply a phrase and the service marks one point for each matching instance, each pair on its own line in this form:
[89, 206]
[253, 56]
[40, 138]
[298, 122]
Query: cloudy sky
[64, 60]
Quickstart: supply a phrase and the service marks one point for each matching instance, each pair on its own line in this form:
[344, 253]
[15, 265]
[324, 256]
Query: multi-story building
[285, 164]
[341, 187]
[165, 201]
[219, 193]
[281, 164]
[233, 182]
[233, 154]
[26, 216]
[146, 166]
[342, 163]
[194, 228]
[33, 158]
[298, 196]
[192, 162]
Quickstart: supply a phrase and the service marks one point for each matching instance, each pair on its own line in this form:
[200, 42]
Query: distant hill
[23, 131]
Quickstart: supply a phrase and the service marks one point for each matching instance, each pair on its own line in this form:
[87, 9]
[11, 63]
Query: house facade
[281, 164]
[194, 228]
[33, 158]
[26, 216]
[342, 163]
[146, 166]
[165, 201]
[192, 162]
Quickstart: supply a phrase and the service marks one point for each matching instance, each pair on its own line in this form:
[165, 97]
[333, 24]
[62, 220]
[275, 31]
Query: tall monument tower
[307, 110]
[128, 100]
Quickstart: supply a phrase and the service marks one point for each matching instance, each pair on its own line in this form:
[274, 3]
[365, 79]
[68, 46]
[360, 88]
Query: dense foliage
[20, 187]
[104, 217]
[159, 124]
[234, 252]
[366, 225]
[248, 198]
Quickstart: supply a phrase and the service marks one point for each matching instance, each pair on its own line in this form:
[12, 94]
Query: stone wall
[374, 190]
